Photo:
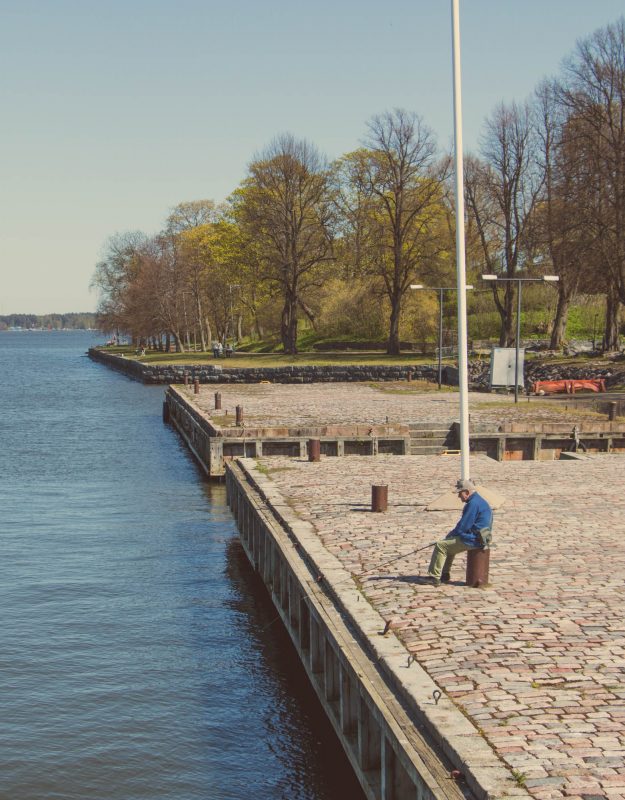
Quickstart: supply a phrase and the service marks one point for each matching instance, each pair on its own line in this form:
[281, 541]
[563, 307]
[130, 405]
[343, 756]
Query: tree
[285, 204]
[502, 191]
[114, 274]
[560, 227]
[593, 92]
[400, 184]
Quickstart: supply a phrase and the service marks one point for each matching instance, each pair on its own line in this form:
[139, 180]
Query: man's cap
[465, 485]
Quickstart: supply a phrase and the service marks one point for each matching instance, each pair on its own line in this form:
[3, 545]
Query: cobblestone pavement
[345, 403]
[537, 659]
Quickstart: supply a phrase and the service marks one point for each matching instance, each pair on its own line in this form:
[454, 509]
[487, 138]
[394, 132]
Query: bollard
[239, 415]
[196, 386]
[165, 412]
[409, 376]
[217, 400]
[612, 410]
[379, 498]
[478, 562]
[186, 378]
[314, 450]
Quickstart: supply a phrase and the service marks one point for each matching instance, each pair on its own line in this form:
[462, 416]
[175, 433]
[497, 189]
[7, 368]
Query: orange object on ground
[569, 386]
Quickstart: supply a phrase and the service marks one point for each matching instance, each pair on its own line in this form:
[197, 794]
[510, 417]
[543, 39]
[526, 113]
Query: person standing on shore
[477, 515]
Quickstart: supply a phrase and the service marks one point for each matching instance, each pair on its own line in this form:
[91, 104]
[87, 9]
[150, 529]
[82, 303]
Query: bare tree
[593, 91]
[502, 190]
[560, 227]
[113, 276]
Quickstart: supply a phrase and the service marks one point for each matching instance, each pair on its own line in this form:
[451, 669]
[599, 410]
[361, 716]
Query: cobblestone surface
[537, 659]
[345, 403]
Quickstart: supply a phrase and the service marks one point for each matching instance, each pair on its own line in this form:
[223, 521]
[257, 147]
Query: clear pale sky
[113, 112]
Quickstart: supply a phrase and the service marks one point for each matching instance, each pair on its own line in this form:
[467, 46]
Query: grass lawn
[280, 359]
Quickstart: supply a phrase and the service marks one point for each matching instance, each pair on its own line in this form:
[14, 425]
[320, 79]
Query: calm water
[134, 657]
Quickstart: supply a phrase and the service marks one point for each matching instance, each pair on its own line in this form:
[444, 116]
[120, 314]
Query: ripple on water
[134, 653]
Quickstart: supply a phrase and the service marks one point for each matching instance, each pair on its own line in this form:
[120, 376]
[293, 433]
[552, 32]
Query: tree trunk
[198, 312]
[179, 344]
[612, 314]
[560, 320]
[288, 324]
[508, 321]
[393, 345]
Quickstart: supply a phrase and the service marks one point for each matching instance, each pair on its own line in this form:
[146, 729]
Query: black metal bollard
[196, 386]
[239, 415]
[217, 401]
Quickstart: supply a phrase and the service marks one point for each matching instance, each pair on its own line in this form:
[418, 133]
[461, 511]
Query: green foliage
[353, 309]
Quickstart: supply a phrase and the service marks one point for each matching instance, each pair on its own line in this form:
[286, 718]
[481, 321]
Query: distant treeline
[48, 321]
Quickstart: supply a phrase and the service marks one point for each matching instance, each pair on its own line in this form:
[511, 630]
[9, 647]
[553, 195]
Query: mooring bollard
[314, 450]
[196, 386]
[186, 378]
[379, 498]
[217, 400]
[239, 415]
[409, 376]
[478, 562]
[612, 410]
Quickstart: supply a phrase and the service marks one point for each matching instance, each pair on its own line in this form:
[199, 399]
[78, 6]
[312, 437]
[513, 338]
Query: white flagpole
[460, 254]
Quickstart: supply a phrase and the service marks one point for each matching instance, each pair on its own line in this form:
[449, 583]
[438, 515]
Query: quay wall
[478, 374]
[216, 373]
[214, 446]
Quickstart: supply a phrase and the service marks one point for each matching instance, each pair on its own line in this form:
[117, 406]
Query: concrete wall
[218, 373]
[213, 447]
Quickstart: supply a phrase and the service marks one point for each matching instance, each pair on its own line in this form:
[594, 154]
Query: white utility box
[502, 367]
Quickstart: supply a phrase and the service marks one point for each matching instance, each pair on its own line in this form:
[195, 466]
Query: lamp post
[519, 282]
[232, 286]
[440, 290]
[186, 321]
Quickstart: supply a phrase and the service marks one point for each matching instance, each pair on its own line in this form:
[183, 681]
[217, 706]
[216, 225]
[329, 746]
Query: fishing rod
[355, 575]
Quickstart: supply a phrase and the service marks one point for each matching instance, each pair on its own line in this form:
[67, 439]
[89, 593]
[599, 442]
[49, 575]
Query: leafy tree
[285, 205]
[392, 202]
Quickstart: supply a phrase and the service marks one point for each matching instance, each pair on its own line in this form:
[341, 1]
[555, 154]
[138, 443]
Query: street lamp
[519, 282]
[440, 290]
[232, 286]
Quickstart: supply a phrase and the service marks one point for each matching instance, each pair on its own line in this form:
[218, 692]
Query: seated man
[476, 515]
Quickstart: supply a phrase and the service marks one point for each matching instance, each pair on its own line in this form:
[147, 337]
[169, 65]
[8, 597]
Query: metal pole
[440, 338]
[518, 339]
[463, 378]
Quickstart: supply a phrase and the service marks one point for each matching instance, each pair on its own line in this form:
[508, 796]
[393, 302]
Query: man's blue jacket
[476, 514]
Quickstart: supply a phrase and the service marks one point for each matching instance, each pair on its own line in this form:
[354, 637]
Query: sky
[113, 112]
